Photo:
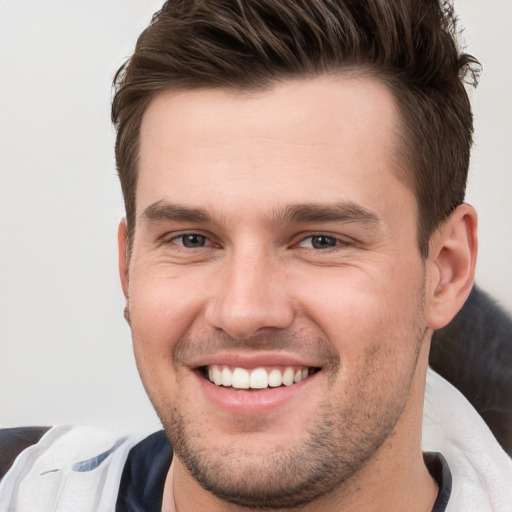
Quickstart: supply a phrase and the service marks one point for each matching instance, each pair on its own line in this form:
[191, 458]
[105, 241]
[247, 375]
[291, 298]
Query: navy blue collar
[440, 472]
[143, 479]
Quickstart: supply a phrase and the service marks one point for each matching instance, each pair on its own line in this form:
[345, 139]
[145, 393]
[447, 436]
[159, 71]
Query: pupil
[193, 240]
[323, 242]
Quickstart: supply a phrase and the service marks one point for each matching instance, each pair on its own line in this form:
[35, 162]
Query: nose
[250, 296]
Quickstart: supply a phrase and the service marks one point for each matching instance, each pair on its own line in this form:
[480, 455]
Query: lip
[255, 360]
[251, 402]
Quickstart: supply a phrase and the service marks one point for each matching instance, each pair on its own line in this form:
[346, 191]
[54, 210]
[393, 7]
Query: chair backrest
[474, 353]
[13, 441]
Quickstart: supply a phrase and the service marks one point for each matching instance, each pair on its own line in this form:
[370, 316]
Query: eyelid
[340, 240]
[170, 238]
[183, 235]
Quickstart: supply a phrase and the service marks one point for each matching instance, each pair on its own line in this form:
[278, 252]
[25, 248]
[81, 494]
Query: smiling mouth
[256, 378]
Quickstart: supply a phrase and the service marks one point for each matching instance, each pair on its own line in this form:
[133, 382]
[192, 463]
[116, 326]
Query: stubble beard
[337, 445]
[285, 479]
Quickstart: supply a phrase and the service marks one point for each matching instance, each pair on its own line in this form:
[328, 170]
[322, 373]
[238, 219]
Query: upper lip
[252, 360]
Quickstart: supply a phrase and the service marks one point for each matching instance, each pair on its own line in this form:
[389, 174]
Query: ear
[451, 265]
[122, 244]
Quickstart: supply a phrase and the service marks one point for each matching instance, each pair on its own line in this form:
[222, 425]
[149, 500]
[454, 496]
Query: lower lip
[250, 402]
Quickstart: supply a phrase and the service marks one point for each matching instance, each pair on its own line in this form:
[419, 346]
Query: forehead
[298, 141]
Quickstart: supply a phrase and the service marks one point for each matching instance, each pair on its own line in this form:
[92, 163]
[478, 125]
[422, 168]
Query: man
[294, 176]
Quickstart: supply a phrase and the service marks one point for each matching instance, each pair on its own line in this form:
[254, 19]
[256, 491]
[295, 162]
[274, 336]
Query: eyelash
[337, 242]
[182, 236]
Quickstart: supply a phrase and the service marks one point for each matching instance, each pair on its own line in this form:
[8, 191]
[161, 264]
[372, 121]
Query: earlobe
[451, 265]
[122, 241]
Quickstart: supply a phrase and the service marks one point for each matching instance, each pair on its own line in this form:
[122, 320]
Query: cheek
[159, 311]
[162, 309]
[358, 309]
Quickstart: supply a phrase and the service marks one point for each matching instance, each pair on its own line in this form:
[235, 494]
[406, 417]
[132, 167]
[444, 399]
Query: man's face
[275, 248]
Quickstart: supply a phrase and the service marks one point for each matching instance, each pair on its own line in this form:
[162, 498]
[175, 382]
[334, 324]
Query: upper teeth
[257, 378]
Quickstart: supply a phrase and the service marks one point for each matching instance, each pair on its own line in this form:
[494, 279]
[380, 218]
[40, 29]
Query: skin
[305, 252]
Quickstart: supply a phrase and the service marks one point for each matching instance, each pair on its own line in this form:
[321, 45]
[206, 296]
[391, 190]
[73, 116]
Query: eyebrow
[164, 211]
[304, 213]
[312, 212]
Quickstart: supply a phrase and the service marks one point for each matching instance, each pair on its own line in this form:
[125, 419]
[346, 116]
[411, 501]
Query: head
[293, 175]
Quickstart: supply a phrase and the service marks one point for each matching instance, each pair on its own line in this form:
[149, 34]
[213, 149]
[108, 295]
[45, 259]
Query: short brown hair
[245, 45]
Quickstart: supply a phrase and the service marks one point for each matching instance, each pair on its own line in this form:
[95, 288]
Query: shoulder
[80, 466]
[481, 469]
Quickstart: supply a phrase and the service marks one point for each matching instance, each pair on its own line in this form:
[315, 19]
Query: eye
[319, 242]
[191, 240]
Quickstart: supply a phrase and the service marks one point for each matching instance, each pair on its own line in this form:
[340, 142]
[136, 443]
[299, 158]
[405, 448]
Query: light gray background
[65, 351]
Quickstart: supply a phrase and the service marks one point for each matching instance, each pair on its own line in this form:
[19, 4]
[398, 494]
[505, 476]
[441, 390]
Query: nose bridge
[250, 294]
